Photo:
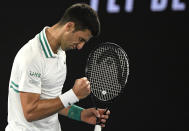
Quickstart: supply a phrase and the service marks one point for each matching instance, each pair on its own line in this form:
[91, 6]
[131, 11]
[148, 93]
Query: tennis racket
[107, 70]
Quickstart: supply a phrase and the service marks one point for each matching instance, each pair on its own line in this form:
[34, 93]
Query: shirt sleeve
[30, 79]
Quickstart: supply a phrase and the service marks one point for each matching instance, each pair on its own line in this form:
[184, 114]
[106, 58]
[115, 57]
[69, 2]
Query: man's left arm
[86, 115]
[64, 111]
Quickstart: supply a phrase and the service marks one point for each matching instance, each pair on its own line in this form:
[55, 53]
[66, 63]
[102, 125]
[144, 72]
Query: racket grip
[97, 128]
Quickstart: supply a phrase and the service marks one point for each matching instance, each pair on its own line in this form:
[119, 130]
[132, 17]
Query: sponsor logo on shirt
[35, 74]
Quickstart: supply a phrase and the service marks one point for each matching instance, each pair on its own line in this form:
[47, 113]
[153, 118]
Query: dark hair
[83, 16]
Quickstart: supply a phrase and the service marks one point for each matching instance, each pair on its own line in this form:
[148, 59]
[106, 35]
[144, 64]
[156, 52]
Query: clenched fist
[81, 88]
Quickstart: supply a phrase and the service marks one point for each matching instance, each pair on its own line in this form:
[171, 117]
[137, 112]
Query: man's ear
[70, 26]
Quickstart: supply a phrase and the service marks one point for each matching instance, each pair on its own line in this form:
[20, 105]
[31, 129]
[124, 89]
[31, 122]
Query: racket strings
[107, 72]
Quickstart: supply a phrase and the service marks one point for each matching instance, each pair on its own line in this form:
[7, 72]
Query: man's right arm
[35, 109]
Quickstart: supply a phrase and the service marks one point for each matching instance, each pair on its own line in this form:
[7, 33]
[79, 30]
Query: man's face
[75, 39]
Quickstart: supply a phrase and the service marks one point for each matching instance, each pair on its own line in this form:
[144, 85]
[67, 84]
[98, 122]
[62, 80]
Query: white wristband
[68, 98]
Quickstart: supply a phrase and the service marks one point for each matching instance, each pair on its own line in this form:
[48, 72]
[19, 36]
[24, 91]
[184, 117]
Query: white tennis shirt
[35, 69]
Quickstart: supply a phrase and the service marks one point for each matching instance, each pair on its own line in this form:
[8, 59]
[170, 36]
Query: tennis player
[39, 72]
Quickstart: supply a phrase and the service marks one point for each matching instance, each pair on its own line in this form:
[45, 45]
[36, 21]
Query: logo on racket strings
[104, 92]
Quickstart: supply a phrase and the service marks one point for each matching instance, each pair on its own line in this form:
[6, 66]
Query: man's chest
[54, 74]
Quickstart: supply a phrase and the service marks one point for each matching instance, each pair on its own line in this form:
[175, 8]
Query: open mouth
[74, 46]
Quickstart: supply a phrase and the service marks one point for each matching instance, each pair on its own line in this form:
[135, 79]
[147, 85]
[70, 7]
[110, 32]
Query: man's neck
[53, 34]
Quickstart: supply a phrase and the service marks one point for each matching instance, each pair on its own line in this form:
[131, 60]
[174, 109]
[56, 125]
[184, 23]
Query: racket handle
[97, 128]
